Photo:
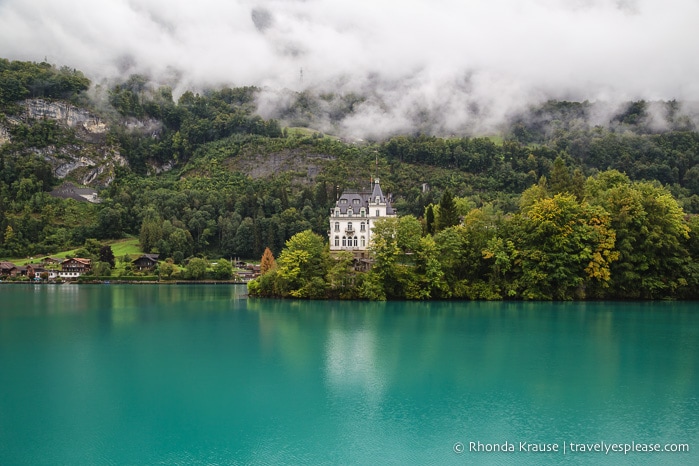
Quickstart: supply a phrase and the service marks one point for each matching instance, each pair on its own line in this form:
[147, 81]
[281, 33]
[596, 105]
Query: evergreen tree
[448, 214]
[429, 220]
[107, 255]
[561, 180]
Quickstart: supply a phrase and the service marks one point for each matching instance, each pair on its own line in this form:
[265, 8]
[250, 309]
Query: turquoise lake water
[117, 374]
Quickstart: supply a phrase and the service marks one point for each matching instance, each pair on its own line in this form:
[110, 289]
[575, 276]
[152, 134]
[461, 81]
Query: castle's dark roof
[358, 199]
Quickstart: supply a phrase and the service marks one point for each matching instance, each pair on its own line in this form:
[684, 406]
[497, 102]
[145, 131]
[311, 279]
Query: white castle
[353, 217]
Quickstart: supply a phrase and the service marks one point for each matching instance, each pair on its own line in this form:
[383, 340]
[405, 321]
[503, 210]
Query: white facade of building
[353, 217]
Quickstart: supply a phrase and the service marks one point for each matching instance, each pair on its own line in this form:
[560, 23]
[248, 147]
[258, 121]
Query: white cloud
[446, 56]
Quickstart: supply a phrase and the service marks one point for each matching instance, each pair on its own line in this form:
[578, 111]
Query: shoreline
[127, 282]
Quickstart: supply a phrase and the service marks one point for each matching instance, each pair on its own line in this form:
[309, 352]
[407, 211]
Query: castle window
[344, 241]
[337, 226]
[355, 241]
[378, 213]
[362, 227]
[337, 241]
[363, 242]
[349, 226]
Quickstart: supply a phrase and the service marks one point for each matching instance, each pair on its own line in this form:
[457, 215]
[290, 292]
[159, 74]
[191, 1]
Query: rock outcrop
[90, 166]
[90, 161]
[66, 114]
[4, 135]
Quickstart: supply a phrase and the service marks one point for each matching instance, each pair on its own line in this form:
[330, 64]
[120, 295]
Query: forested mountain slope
[203, 174]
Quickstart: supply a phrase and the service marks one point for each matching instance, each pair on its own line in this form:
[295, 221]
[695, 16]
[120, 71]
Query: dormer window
[343, 201]
[362, 211]
[337, 212]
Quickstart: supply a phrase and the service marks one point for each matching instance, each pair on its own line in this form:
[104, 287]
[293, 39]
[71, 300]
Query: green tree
[448, 214]
[560, 246]
[167, 269]
[302, 266]
[560, 180]
[196, 268]
[408, 233]
[651, 235]
[429, 279]
[456, 257]
[13, 243]
[385, 251]
[223, 270]
[400, 257]
[151, 233]
[107, 255]
[244, 241]
[341, 276]
[429, 220]
[102, 269]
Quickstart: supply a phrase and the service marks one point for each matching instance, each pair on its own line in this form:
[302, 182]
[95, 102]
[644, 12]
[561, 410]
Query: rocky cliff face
[89, 166]
[91, 161]
[66, 114]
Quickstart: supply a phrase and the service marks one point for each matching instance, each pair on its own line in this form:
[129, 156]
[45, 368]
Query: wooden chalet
[73, 268]
[146, 262]
[8, 268]
[48, 261]
[12, 270]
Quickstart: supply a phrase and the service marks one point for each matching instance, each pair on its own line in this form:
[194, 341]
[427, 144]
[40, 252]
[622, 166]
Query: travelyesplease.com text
[566, 447]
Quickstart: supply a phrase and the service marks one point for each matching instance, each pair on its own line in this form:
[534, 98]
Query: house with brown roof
[73, 268]
[12, 270]
[47, 261]
[146, 262]
[7, 268]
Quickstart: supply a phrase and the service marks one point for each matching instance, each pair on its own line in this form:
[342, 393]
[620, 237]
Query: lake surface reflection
[202, 375]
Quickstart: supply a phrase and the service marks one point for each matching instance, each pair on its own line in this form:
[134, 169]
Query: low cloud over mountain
[462, 65]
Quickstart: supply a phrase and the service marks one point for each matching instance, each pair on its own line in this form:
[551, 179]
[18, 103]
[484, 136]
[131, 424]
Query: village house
[73, 268]
[146, 262]
[11, 270]
[51, 261]
[7, 268]
[353, 217]
[249, 272]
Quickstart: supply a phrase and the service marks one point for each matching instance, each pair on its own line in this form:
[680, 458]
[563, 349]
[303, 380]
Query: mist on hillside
[372, 69]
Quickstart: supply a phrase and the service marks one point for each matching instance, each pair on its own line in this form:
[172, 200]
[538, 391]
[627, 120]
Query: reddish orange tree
[267, 263]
